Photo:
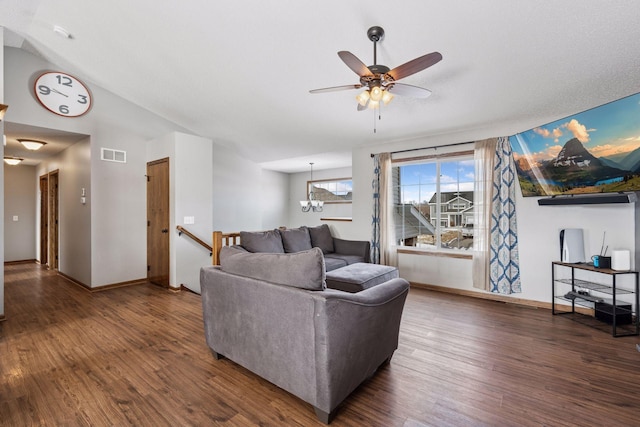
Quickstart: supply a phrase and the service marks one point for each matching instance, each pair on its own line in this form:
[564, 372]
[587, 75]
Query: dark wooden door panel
[158, 222]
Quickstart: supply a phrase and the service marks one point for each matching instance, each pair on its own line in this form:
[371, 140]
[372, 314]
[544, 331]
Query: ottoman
[359, 276]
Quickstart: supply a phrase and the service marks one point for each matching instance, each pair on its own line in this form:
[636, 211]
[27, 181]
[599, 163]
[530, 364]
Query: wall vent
[111, 155]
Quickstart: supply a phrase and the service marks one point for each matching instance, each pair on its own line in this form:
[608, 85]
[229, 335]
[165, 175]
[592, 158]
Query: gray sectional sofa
[337, 252]
[273, 314]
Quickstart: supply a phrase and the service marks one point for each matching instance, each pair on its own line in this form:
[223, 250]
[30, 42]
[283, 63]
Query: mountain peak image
[574, 154]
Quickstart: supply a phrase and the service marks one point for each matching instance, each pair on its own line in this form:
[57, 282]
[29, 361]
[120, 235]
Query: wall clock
[62, 94]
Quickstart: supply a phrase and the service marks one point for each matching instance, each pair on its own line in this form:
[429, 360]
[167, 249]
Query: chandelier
[311, 203]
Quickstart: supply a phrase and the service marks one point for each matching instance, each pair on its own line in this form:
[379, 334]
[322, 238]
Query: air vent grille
[111, 155]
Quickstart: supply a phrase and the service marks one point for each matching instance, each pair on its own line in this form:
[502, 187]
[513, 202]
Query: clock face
[62, 94]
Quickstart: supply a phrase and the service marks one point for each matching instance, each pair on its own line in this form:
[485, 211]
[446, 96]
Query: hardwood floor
[137, 356]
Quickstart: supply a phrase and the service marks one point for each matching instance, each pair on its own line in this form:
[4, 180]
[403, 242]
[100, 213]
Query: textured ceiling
[240, 72]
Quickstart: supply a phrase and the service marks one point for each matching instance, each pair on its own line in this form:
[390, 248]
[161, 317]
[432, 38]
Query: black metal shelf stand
[589, 301]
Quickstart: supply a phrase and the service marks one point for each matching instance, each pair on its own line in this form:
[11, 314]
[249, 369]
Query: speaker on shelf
[621, 260]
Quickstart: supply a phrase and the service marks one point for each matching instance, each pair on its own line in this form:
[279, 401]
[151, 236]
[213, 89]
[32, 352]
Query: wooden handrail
[202, 243]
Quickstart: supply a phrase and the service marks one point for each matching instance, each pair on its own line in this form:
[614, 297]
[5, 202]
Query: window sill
[428, 252]
[336, 218]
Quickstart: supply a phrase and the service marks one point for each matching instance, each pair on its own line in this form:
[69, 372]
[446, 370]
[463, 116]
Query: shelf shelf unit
[599, 299]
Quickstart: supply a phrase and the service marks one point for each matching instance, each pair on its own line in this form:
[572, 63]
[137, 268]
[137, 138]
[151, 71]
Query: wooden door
[158, 222]
[44, 219]
[54, 206]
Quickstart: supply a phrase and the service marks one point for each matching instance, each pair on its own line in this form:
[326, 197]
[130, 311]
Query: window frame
[336, 180]
[463, 155]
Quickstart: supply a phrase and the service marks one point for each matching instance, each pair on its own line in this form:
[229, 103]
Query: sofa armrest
[352, 247]
[355, 334]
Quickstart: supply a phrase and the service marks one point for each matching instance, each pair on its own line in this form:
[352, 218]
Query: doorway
[49, 219]
[158, 222]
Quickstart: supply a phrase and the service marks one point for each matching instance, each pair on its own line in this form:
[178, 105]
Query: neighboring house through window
[434, 202]
[332, 190]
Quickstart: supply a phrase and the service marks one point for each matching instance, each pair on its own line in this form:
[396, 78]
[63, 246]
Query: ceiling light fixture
[311, 203]
[32, 144]
[12, 160]
[372, 98]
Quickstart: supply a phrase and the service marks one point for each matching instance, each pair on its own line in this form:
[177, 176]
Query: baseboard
[120, 285]
[23, 261]
[184, 288]
[483, 295]
[105, 287]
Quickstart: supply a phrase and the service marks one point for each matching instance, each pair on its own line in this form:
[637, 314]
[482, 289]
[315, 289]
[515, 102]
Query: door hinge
[148, 223]
[148, 268]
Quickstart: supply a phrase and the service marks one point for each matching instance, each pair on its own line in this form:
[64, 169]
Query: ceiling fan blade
[336, 88]
[354, 63]
[415, 65]
[408, 90]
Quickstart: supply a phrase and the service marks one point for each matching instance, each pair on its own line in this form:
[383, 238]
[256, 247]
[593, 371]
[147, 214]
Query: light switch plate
[189, 220]
[15, 217]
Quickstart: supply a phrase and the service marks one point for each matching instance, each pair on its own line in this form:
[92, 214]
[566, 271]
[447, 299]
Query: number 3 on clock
[62, 94]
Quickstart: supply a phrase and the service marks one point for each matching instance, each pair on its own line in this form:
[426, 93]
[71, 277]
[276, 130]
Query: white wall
[274, 194]
[19, 200]
[298, 191]
[245, 196]
[538, 228]
[193, 197]
[118, 191]
[74, 241]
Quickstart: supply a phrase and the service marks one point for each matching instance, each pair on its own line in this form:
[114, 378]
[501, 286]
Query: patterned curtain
[375, 219]
[383, 234]
[504, 262]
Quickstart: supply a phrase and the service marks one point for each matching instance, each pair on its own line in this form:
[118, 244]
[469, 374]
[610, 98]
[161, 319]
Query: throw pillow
[296, 239]
[262, 241]
[321, 238]
[304, 270]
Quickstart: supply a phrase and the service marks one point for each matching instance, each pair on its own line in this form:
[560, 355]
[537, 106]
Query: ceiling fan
[380, 81]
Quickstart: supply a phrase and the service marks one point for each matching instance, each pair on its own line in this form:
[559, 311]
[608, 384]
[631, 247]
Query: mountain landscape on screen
[601, 152]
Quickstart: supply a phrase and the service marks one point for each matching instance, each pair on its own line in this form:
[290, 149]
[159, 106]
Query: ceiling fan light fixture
[374, 104]
[12, 160]
[376, 93]
[386, 97]
[363, 98]
[32, 144]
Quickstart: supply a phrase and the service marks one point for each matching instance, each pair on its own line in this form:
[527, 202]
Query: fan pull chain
[374, 121]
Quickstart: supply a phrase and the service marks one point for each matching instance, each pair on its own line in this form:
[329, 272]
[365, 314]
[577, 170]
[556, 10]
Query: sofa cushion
[360, 276]
[333, 263]
[348, 259]
[296, 239]
[303, 270]
[262, 241]
[321, 238]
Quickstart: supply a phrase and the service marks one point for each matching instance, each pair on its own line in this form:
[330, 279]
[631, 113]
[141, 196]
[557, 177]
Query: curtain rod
[427, 148]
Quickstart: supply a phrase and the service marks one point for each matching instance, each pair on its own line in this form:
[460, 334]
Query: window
[332, 190]
[433, 200]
